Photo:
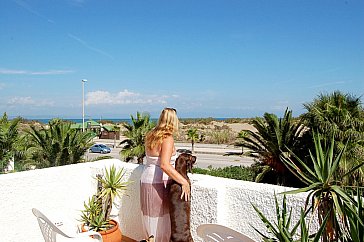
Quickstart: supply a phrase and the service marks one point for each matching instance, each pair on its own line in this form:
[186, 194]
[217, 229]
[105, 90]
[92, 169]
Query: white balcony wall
[59, 192]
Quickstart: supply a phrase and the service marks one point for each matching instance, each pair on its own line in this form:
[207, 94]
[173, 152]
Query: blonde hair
[167, 125]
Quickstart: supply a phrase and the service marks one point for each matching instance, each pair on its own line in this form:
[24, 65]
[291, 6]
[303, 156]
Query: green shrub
[232, 172]
[205, 121]
[237, 120]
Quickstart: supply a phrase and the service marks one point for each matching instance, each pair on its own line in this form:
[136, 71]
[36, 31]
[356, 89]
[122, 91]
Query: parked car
[100, 148]
[187, 151]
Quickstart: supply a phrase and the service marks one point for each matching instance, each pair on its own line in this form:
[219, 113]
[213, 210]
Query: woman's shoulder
[168, 140]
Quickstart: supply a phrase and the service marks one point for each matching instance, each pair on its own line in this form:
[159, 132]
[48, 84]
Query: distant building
[103, 131]
[90, 125]
[109, 132]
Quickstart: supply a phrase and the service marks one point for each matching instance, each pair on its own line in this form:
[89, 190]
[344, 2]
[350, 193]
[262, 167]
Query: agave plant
[326, 195]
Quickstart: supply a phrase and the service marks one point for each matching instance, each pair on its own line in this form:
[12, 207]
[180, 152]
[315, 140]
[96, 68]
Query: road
[207, 154]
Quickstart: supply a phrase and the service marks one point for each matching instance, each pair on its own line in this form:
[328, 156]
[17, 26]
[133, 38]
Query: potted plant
[96, 213]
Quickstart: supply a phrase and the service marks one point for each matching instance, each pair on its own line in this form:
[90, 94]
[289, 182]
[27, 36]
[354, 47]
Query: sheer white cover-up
[154, 200]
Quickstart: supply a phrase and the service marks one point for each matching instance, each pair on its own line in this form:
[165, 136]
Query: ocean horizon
[114, 120]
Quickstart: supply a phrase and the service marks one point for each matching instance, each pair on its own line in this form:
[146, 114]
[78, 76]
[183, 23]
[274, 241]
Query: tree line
[337, 115]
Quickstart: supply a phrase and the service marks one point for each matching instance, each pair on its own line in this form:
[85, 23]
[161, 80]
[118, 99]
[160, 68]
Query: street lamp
[83, 104]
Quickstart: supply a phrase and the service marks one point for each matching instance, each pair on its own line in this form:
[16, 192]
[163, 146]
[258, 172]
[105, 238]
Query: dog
[179, 209]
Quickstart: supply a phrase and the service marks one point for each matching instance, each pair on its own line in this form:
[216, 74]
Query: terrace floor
[127, 239]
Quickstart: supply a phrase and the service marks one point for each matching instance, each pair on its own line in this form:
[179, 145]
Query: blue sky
[215, 58]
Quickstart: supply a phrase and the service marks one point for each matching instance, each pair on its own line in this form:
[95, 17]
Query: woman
[161, 155]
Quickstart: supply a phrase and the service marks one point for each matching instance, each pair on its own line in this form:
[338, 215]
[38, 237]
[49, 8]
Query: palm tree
[240, 140]
[77, 144]
[193, 136]
[272, 138]
[342, 116]
[58, 144]
[135, 133]
[8, 139]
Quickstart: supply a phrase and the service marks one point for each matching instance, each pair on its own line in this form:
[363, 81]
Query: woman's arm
[165, 157]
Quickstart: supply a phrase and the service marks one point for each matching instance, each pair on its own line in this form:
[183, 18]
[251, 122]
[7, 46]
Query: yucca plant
[281, 230]
[92, 215]
[112, 186]
[305, 230]
[326, 195]
[96, 213]
[355, 219]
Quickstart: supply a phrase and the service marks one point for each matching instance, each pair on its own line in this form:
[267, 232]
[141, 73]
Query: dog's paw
[150, 239]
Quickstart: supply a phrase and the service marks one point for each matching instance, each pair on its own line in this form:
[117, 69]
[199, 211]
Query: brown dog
[179, 209]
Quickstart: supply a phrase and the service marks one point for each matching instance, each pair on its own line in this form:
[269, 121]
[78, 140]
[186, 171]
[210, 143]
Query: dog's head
[184, 162]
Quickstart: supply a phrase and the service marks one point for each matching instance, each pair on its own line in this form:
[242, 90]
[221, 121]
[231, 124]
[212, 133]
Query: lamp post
[83, 104]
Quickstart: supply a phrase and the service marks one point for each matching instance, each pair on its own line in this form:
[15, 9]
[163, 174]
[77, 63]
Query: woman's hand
[186, 191]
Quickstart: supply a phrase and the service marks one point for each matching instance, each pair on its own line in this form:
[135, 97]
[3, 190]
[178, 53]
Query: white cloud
[123, 97]
[21, 101]
[24, 101]
[26, 72]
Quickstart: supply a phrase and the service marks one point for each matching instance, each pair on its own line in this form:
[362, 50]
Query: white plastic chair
[52, 233]
[217, 233]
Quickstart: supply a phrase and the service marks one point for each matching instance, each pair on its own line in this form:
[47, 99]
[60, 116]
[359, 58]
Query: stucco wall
[60, 192]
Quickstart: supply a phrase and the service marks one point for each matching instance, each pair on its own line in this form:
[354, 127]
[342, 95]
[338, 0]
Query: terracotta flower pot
[111, 235]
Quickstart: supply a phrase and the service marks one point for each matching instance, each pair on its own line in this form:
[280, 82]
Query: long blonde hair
[167, 125]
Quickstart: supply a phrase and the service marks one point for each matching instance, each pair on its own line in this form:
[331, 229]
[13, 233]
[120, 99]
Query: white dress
[154, 200]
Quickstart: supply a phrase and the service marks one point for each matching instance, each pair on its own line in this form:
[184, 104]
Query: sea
[76, 120]
[113, 120]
